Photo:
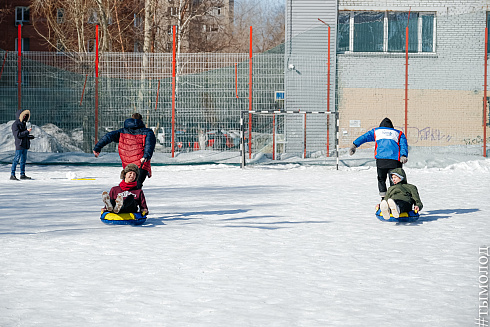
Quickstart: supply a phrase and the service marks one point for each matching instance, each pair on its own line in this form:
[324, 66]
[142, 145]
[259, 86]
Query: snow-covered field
[284, 245]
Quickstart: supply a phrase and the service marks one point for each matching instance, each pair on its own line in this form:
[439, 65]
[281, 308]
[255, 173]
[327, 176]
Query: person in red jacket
[136, 145]
[126, 197]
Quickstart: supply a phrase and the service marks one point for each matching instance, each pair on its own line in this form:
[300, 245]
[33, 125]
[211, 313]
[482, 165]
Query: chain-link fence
[211, 91]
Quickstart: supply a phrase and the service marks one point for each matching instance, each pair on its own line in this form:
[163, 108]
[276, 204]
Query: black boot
[24, 177]
[13, 178]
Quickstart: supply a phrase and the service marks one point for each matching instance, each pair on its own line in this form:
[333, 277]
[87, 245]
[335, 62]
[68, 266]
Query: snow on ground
[276, 245]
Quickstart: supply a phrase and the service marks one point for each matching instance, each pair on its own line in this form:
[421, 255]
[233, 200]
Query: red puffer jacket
[135, 142]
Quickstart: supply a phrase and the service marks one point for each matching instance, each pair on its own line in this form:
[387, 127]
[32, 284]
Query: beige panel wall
[435, 117]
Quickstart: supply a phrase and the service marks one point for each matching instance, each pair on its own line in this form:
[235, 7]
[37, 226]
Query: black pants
[141, 178]
[403, 205]
[383, 167]
[129, 205]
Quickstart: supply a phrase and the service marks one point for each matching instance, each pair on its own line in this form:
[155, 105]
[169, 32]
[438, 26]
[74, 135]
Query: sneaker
[385, 210]
[395, 210]
[24, 177]
[119, 203]
[107, 201]
[13, 178]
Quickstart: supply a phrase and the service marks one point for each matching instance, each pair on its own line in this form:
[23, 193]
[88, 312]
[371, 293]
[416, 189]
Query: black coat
[20, 132]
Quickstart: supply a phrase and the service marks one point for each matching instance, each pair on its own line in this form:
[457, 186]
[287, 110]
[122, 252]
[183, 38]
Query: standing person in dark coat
[22, 143]
[390, 150]
[136, 145]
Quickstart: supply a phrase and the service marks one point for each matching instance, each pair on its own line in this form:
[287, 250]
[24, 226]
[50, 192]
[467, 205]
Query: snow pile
[48, 138]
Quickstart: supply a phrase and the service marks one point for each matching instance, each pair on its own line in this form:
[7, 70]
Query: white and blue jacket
[390, 143]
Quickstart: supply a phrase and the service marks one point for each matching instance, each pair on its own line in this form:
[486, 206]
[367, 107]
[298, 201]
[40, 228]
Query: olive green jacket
[403, 191]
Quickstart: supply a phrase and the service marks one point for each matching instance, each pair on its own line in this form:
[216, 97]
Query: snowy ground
[284, 245]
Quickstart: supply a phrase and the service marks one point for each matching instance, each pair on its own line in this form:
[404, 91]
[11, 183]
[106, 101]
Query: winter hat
[130, 167]
[399, 176]
[386, 123]
[25, 115]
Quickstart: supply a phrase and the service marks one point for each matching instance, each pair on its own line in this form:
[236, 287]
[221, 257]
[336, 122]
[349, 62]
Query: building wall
[9, 30]
[445, 88]
[306, 35]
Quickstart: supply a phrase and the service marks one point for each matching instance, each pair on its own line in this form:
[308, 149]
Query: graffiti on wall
[476, 140]
[428, 134]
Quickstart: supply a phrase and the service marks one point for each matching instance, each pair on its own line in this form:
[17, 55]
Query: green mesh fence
[211, 90]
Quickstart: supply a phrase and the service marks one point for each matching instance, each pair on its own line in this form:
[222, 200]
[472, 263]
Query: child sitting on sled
[126, 197]
[401, 196]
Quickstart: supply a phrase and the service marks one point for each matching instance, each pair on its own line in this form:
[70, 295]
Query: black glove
[352, 149]
[30, 137]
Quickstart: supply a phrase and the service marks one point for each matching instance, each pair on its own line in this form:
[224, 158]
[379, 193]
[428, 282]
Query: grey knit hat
[130, 167]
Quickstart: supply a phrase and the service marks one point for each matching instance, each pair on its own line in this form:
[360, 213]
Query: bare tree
[69, 25]
[5, 9]
[267, 20]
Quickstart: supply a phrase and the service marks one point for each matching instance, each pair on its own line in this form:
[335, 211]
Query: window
[170, 29]
[368, 32]
[397, 23]
[216, 11]
[375, 31]
[21, 15]
[93, 17]
[60, 15]
[24, 44]
[91, 45]
[343, 29]
[173, 11]
[60, 46]
[138, 21]
[138, 47]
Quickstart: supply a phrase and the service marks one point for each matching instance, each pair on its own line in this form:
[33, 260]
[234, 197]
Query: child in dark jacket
[136, 144]
[401, 197]
[126, 197]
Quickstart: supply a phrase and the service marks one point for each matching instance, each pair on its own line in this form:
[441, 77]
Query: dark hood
[401, 173]
[21, 113]
[132, 123]
[386, 123]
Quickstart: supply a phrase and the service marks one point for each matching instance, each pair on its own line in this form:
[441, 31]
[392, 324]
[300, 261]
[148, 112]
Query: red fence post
[250, 98]
[236, 81]
[19, 65]
[485, 95]
[406, 74]
[173, 92]
[328, 96]
[96, 82]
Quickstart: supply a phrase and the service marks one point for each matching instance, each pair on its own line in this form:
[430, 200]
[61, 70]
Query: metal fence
[211, 91]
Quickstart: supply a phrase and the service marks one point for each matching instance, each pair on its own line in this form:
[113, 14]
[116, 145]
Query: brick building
[18, 13]
[206, 28]
[441, 92]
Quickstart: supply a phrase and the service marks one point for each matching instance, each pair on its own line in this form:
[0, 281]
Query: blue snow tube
[405, 217]
[112, 218]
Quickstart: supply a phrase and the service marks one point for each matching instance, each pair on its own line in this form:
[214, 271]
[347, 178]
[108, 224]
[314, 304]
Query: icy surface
[284, 245]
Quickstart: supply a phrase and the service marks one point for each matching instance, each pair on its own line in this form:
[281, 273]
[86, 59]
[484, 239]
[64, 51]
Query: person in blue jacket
[390, 150]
